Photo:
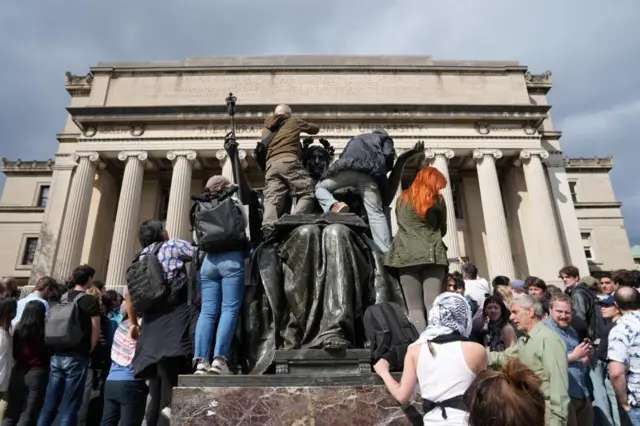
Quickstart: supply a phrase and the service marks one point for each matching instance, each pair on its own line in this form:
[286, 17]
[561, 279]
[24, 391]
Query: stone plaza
[140, 138]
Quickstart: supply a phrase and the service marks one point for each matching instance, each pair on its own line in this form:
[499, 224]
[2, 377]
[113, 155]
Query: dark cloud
[591, 47]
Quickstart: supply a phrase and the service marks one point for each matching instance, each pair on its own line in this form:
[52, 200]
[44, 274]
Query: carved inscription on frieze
[336, 129]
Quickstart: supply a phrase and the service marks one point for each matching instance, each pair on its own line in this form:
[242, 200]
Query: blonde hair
[505, 292]
[95, 293]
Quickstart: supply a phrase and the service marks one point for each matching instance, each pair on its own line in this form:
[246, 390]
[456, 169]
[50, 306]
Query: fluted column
[549, 242]
[124, 232]
[495, 222]
[440, 159]
[76, 214]
[225, 163]
[179, 196]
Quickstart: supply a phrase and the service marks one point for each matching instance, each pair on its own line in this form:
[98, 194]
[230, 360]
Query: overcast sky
[592, 47]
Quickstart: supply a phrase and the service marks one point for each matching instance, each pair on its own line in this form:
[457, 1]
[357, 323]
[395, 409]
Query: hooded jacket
[370, 153]
[287, 140]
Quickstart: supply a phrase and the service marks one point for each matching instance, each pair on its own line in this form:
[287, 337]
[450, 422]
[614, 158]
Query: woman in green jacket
[418, 251]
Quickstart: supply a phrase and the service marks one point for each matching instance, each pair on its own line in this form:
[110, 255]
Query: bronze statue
[311, 283]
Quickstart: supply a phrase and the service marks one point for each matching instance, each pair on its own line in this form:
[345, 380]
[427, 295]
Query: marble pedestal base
[285, 400]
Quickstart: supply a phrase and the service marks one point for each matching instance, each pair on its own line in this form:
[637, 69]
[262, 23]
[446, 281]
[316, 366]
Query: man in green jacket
[543, 352]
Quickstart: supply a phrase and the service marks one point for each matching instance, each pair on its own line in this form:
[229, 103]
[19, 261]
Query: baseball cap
[517, 285]
[609, 300]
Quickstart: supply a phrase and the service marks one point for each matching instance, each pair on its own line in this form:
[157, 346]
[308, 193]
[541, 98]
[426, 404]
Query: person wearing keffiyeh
[443, 362]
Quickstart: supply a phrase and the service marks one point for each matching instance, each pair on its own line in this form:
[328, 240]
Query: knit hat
[216, 184]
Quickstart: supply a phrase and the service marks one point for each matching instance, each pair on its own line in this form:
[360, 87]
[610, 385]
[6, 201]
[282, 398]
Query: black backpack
[219, 224]
[146, 281]
[63, 329]
[389, 333]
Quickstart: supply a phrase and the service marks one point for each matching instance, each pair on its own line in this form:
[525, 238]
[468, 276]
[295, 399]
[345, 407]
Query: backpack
[63, 329]
[389, 333]
[219, 224]
[146, 281]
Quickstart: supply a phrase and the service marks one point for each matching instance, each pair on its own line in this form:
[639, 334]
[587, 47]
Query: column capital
[90, 155]
[125, 155]
[479, 154]
[431, 153]
[526, 154]
[221, 154]
[187, 153]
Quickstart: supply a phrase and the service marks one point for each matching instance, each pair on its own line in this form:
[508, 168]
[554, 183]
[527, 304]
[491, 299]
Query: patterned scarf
[450, 314]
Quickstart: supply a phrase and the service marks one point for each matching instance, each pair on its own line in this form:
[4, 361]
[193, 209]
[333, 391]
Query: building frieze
[589, 163]
[27, 167]
[530, 116]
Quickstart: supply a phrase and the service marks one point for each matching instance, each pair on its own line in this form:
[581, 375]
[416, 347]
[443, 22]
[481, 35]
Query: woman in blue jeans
[222, 290]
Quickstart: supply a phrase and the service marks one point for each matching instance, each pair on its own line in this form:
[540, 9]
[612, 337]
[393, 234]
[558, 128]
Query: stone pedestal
[275, 400]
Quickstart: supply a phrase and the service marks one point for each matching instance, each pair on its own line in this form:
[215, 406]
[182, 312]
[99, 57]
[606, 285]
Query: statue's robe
[312, 288]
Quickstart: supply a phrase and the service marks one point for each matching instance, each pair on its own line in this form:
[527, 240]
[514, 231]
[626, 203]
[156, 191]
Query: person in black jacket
[584, 303]
[363, 164]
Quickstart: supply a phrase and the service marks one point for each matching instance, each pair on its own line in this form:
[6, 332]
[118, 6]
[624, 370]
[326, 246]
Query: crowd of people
[508, 352]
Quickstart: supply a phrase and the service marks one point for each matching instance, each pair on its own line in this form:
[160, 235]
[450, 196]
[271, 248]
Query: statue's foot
[336, 343]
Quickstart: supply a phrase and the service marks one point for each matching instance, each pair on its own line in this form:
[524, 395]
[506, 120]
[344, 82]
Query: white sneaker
[219, 367]
[201, 368]
[166, 412]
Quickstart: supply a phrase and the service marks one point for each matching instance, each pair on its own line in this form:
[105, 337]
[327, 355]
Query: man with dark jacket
[364, 165]
[584, 303]
[284, 172]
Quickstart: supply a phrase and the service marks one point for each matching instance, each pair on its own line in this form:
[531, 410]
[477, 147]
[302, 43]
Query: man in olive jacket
[285, 172]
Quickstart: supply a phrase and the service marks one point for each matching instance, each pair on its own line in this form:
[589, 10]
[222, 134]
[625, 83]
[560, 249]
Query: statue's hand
[418, 148]
[230, 143]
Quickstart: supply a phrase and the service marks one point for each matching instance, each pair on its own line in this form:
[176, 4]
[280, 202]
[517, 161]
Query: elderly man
[624, 353]
[578, 356]
[543, 352]
[284, 171]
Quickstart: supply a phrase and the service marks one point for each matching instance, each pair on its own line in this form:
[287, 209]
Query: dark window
[29, 251]
[164, 204]
[572, 191]
[43, 197]
[456, 192]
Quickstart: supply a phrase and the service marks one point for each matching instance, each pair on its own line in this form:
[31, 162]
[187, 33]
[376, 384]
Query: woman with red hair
[418, 251]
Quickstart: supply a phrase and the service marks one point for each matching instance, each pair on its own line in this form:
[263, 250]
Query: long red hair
[423, 192]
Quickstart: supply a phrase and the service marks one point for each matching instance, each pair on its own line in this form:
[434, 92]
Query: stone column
[179, 196]
[225, 163]
[500, 259]
[126, 225]
[76, 213]
[567, 218]
[544, 215]
[440, 159]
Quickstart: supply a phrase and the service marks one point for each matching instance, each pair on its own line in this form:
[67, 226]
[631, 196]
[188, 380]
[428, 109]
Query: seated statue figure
[310, 284]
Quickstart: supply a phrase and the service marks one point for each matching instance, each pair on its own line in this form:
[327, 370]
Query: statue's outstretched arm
[244, 189]
[396, 173]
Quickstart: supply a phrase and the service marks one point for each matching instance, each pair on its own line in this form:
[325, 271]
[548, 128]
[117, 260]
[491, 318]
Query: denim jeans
[605, 409]
[366, 186]
[634, 416]
[124, 402]
[65, 389]
[222, 289]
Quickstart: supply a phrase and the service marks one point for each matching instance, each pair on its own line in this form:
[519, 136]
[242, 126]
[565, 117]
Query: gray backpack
[146, 281]
[63, 329]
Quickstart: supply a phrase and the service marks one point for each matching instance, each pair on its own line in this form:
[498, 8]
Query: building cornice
[27, 167]
[538, 83]
[305, 63]
[589, 163]
[136, 117]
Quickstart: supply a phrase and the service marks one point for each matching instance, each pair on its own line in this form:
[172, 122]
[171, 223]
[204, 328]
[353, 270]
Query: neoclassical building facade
[140, 138]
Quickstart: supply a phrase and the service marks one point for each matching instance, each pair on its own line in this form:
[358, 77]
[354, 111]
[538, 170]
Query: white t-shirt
[477, 290]
[6, 359]
[23, 302]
